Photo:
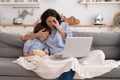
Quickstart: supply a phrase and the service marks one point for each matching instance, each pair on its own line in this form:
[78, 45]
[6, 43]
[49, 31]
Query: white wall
[67, 7]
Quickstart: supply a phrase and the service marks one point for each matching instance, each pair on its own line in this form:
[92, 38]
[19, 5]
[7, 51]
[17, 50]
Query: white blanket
[49, 67]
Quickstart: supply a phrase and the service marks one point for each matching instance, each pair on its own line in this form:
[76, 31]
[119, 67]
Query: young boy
[36, 43]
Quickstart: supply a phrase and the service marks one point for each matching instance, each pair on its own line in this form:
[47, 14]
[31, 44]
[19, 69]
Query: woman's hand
[41, 33]
[56, 23]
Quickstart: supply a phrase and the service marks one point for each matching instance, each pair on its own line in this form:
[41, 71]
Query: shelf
[88, 3]
[9, 3]
[95, 28]
[25, 2]
[79, 25]
[16, 25]
[100, 2]
[92, 25]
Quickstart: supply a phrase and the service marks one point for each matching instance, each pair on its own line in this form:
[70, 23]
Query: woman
[57, 38]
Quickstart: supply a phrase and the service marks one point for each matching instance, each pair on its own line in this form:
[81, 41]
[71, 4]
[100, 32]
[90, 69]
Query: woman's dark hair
[48, 13]
[39, 27]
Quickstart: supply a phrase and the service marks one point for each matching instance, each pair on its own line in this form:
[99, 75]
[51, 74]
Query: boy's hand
[46, 51]
[27, 54]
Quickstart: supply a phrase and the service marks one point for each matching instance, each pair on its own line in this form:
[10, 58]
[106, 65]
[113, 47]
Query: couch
[11, 48]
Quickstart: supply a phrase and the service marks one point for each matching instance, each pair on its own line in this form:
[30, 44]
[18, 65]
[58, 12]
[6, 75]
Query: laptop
[76, 47]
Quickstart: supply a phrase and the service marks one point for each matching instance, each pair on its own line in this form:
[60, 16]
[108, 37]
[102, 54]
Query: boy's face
[44, 36]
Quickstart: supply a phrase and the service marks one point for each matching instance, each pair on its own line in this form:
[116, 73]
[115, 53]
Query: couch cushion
[115, 74]
[109, 42]
[21, 78]
[101, 38]
[11, 52]
[7, 68]
[11, 39]
[3, 45]
[111, 52]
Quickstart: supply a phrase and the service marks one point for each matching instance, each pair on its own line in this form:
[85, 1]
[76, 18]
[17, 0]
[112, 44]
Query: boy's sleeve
[46, 48]
[27, 45]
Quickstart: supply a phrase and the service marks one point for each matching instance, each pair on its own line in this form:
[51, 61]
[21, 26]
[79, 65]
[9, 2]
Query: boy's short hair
[39, 27]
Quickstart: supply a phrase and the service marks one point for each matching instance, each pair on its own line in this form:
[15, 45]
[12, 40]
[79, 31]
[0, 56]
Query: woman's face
[50, 21]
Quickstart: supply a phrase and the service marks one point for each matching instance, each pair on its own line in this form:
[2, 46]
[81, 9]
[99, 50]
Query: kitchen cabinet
[17, 2]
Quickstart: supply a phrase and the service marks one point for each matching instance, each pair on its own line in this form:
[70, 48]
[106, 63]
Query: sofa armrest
[12, 39]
